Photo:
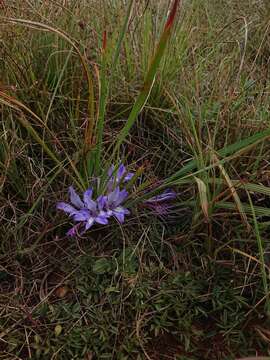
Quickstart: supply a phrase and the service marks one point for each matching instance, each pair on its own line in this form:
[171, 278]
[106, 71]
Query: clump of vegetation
[168, 259]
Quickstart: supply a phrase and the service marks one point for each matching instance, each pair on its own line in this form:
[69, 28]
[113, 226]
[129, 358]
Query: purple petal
[89, 193]
[72, 232]
[104, 213]
[121, 209]
[81, 215]
[165, 196]
[74, 198]
[113, 196]
[110, 171]
[101, 202]
[109, 213]
[66, 208]
[102, 219]
[120, 172]
[116, 197]
[120, 217]
[128, 177]
[120, 213]
[121, 197]
[89, 203]
[89, 223]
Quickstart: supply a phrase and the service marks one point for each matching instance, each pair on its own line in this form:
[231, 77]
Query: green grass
[194, 285]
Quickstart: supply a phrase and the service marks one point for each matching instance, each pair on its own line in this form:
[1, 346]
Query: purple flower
[159, 203]
[86, 212]
[113, 204]
[121, 175]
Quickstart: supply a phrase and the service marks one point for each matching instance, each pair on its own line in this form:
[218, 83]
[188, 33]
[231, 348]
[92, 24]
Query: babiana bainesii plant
[110, 203]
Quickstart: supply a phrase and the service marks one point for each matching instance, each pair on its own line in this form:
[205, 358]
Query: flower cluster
[87, 211]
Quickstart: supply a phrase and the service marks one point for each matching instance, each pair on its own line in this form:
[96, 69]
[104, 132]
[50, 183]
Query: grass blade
[105, 85]
[261, 252]
[88, 138]
[18, 106]
[233, 193]
[203, 197]
[149, 79]
[233, 149]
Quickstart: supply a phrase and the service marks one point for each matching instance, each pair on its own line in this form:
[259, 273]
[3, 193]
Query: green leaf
[112, 289]
[102, 266]
[203, 197]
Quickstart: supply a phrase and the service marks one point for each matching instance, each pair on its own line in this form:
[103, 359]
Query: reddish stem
[172, 15]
